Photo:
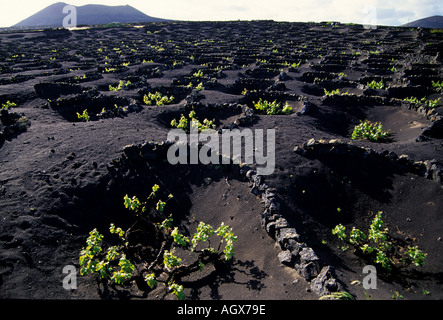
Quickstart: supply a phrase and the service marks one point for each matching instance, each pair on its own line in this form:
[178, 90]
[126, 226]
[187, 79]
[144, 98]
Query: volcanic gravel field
[61, 177]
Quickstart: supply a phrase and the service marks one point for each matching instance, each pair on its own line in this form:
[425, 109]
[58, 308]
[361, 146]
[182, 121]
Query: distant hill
[434, 22]
[91, 14]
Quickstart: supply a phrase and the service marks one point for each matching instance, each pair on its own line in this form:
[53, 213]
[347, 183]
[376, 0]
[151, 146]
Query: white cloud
[388, 11]
[392, 16]
[407, 10]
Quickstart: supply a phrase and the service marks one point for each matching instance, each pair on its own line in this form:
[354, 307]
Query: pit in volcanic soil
[58, 178]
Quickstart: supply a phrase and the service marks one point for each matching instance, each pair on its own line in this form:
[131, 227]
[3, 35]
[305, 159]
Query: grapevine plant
[157, 99]
[123, 262]
[372, 131]
[185, 123]
[8, 104]
[376, 85]
[121, 85]
[84, 116]
[378, 245]
[335, 92]
[423, 101]
[271, 108]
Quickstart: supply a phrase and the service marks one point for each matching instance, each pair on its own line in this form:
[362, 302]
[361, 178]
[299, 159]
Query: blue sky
[382, 12]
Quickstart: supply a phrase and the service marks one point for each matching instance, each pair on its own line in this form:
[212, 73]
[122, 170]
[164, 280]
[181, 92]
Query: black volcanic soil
[57, 174]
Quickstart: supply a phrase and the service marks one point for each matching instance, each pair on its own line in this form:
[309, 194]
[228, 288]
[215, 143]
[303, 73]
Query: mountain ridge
[433, 22]
[89, 14]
